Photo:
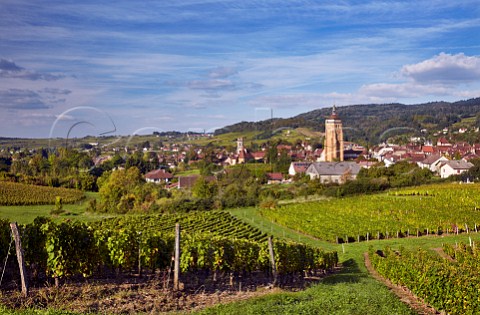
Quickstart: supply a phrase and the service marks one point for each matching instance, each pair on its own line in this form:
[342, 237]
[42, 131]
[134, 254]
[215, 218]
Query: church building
[333, 148]
[332, 168]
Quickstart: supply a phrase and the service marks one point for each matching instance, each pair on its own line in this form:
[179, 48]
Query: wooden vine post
[176, 266]
[272, 260]
[139, 254]
[20, 258]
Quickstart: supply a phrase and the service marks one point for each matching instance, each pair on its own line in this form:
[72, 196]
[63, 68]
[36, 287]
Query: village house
[428, 150]
[443, 142]
[298, 168]
[274, 178]
[158, 176]
[333, 172]
[454, 167]
[432, 162]
[187, 182]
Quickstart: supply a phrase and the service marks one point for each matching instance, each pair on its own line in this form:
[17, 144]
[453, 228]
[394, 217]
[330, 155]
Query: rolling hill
[374, 123]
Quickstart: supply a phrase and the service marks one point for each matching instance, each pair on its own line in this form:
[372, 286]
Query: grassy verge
[351, 291]
[252, 217]
[77, 211]
[5, 311]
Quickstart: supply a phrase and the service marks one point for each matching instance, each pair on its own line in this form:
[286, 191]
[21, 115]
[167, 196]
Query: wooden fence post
[21, 261]
[139, 254]
[272, 260]
[176, 266]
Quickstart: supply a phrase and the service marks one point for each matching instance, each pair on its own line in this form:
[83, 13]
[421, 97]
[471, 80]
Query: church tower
[239, 145]
[333, 138]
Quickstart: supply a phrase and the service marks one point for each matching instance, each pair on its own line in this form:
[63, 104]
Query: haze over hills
[373, 123]
[364, 124]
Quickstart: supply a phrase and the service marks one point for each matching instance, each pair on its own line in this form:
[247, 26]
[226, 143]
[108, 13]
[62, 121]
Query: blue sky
[128, 67]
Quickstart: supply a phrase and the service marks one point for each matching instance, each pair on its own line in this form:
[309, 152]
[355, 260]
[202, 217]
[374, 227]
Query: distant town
[181, 159]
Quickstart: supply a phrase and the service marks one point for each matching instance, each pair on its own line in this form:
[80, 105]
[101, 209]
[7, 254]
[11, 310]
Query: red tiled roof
[284, 147]
[428, 149]
[301, 167]
[189, 181]
[258, 155]
[275, 176]
[159, 174]
[442, 141]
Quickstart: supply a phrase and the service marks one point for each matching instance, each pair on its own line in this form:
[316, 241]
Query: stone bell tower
[239, 145]
[333, 138]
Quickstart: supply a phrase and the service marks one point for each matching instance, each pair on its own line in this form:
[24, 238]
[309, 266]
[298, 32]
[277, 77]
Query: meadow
[76, 210]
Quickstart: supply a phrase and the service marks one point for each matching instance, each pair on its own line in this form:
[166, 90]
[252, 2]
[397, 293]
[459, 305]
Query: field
[17, 194]
[447, 278]
[434, 209]
[350, 290]
[77, 211]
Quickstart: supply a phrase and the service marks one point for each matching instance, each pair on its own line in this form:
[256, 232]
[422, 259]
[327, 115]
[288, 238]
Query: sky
[76, 68]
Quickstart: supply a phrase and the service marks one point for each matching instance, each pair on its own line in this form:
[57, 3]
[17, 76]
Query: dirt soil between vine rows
[403, 293]
[134, 295]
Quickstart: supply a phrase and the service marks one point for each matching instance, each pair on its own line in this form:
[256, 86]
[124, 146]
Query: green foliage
[473, 174]
[449, 286]
[58, 203]
[215, 223]
[124, 191]
[70, 248]
[426, 209]
[210, 241]
[33, 242]
[5, 163]
[117, 185]
[246, 256]
[204, 189]
[400, 174]
[22, 194]
[5, 238]
[122, 246]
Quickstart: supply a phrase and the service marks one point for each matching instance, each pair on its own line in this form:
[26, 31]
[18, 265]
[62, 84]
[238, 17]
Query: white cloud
[21, 99]
[402, 90]
[444, 68]
[211, 84]
[8, 69]
[222, 72]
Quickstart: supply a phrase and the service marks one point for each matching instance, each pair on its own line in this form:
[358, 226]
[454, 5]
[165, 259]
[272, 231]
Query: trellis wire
[6, 258]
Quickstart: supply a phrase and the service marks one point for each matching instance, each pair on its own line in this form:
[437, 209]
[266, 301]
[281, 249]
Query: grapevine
[434, 209]
[449, 285]
[13, 194]
[72, 248]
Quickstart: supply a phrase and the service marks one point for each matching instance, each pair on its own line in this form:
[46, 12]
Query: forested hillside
[374, 122]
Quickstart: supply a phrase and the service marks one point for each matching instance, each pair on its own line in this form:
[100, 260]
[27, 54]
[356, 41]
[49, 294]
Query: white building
[454, 167]
[333, 172]
[433, 162]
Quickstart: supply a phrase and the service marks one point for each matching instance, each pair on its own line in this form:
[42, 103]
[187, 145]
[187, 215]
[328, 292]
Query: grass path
[351, 291]
[75, 211]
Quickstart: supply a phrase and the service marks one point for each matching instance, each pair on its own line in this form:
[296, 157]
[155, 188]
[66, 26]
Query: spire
[334, 112]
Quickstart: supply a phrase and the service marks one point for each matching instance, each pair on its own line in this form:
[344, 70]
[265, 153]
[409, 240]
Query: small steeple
[334, 112]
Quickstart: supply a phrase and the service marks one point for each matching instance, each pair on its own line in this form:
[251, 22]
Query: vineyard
[434, 209]
[214, 223]
[450, 284]
[211, 243]
[13, 194]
